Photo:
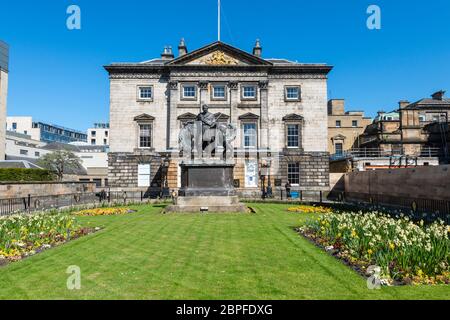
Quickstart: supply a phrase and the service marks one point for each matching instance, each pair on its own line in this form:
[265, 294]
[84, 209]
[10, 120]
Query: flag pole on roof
[218, 20]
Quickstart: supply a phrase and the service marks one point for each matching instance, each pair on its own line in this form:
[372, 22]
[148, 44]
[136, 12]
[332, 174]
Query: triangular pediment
[339, 137]
[249, 116]
[219, 54]
[187, 116]
[221, 116]
[293, 117]
[144, 117]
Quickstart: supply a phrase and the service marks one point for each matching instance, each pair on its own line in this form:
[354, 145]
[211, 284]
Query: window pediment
[293, 117]
[339, 137]
[187, 117]
[221, 116]
[144, 117]
[249, 116]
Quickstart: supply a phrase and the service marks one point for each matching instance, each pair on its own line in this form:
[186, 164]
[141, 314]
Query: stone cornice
[298, 76]
[132, 75]
[217, 73]
[137, 71]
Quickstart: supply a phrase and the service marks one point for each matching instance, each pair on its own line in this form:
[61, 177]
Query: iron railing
[37, 203]
[427, 209]
[30, 203]
[429, 152]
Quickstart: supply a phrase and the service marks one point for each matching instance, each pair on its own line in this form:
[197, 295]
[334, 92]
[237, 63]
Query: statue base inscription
[207, 180]
[207, 187]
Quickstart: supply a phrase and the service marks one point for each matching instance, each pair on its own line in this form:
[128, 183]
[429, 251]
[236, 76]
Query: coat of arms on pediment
[216, 58]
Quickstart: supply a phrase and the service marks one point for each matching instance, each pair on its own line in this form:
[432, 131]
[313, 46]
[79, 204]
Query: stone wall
[20, 190]
[314, 170]
[430, 182]
[337, 182]
[123, 170]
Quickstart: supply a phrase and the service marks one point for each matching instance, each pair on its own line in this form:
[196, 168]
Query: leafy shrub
[25, 175]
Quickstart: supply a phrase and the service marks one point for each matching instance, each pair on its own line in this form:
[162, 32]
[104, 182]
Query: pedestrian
[102, 195]
[174, 195]
[288, 190]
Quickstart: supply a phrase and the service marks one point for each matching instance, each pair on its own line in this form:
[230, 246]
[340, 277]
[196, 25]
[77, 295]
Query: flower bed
[407, 253]
[309, 209]
[103, 212]
[25, 235]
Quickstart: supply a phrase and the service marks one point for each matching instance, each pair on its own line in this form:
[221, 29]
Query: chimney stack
[257, 50]
[402, 104]
[167, 54]
[336, 107]
[438, 95]
[182, 49]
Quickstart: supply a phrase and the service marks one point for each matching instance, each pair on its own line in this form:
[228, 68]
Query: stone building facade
[344, 127]
[419, 129]
[4, 64]
[278, 106]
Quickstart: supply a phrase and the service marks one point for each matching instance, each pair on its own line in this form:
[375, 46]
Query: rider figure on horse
[207, 118]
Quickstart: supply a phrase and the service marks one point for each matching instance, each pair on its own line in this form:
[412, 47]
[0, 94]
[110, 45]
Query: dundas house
[279, 107]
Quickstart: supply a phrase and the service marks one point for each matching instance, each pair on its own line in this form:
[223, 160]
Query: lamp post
[263, 188]
[165, 163]
[265, 171]
[269, 193]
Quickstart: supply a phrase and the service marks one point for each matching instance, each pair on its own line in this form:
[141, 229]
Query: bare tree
[60, 161]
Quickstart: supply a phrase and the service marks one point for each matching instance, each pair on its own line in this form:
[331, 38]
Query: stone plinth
[215, 204]
[206, 179]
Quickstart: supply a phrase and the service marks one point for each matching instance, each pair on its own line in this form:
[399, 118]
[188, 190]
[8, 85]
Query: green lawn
[148, 255]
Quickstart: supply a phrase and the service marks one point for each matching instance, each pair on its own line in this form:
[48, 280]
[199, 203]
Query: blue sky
[56, 75]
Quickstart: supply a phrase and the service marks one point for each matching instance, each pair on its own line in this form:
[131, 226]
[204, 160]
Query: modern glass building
[53, 133]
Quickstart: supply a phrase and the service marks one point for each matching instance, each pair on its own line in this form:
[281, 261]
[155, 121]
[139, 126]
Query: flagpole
[218, 20]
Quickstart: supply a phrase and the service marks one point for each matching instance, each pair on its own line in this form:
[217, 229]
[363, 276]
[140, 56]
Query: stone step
[207, 201]
[238, 208]
[219, 204]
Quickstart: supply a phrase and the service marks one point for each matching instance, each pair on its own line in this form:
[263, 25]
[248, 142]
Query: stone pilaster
[203, 86]
[234, 102]
[264, 125]
[172, 139]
